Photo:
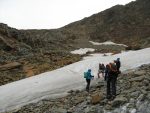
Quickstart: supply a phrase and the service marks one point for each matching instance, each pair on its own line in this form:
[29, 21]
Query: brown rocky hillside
[129, 24]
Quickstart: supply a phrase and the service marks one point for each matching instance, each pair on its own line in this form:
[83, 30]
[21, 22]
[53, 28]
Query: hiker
[88, 77]
[106, 72]
[118, 64]
[111, 74]
[101, 70]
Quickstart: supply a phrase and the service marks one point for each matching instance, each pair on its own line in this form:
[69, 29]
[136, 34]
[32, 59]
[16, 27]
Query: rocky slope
[37, 51]
[133, 96]
[129, 24]
[23, 56]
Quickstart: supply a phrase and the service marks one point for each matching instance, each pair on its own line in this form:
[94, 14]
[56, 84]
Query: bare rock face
[32, 46]
[9, 66]
[3, 28]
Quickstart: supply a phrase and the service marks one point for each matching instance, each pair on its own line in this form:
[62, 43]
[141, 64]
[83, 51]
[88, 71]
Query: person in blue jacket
[88, 79]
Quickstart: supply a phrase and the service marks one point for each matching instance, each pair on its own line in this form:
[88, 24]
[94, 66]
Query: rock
[141, 97]
[108, 107]
[100, 84]
[132, 101]
[138, 103]
[96, 98]
[144, 107]
[135, 94]
[136, 84]
[119, 101]
[124, 109]
[70, 91]
[69, 111]
[130, 105]
[9, 44]
[139, 73]
[77, 91]
[27, 67]
[146, 82]
[58, 110]
[79, 100]
[148, 95]
[147, 76]
[137, 79]
[148, 88]
[11, 65]
[88, 99]
[103, 102]
[132, 110]
[74, 92]
[143, 91]
[29, 73]
[92, 109]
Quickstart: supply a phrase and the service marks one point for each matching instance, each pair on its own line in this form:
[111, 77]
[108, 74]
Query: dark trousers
[111, 86]
[118, 68]
[88, 84]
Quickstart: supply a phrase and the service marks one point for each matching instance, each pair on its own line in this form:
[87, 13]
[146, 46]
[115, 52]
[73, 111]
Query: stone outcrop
[9, 66]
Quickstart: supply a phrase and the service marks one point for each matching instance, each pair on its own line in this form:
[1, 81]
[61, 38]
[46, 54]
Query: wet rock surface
[133, 97]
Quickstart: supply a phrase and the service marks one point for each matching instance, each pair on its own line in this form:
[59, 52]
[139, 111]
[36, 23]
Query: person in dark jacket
[106, 72]
[111, 79]
[88, 79]
[118, 64]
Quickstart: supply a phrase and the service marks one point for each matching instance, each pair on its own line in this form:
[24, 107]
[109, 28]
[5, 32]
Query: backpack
[85, 75]
[113, 68]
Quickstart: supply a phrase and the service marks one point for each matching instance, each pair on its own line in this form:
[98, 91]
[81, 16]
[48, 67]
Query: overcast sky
[48, 14]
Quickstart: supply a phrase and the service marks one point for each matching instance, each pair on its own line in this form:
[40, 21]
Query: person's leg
[108, 89]
[114, 79]
[118, 68]
[98, 75]
[88, 84]
[105, 77]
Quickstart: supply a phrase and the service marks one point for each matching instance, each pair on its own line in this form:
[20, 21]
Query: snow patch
[107, 43]
[82, 51]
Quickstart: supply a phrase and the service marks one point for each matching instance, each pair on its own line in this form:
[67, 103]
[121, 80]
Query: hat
[118, 58]
[89, 70]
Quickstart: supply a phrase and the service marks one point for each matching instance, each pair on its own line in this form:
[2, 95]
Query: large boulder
[96, 98]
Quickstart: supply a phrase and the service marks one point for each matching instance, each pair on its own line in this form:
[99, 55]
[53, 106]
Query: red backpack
[113, 67]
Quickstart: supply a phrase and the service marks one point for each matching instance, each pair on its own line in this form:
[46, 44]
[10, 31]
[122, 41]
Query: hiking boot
[87, 90]
[108, 97]
[113, 97]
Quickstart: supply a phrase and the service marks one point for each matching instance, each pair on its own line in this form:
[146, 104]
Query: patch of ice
[82, 51]
[107, 43]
